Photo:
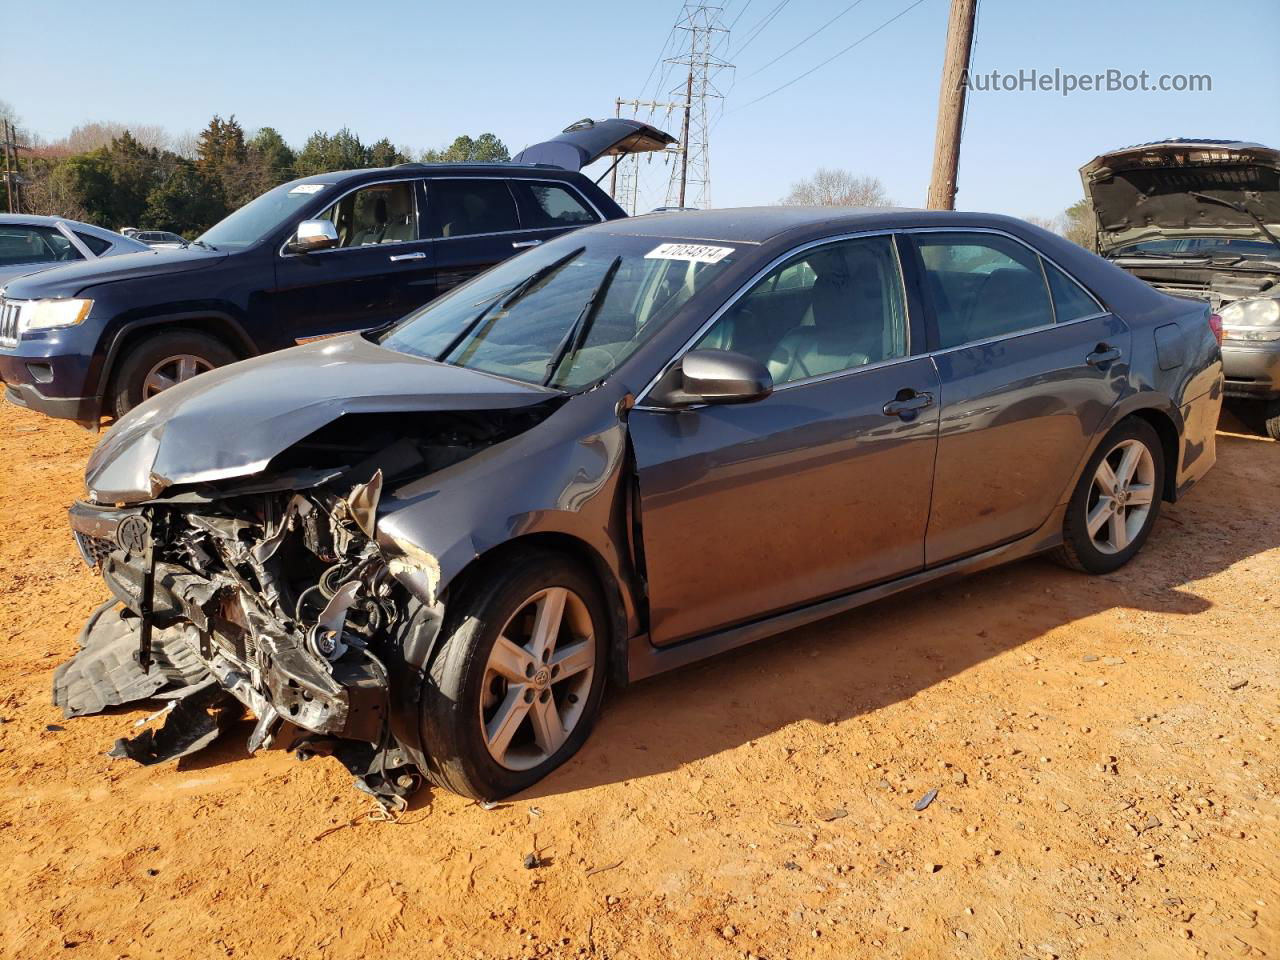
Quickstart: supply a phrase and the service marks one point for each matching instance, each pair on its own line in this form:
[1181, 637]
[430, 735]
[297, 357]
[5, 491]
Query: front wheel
[155, 363]
[517, 682]
[1271, 418]
[1117, 500]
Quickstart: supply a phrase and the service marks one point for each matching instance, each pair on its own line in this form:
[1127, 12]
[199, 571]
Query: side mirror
[314, 235]
[713, 376]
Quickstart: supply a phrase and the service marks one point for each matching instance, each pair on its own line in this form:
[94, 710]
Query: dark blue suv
[308, 259]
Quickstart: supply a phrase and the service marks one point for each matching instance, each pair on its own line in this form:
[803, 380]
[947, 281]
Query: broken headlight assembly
[1256, 320]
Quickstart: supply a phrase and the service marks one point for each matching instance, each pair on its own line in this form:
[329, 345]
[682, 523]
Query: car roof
[501, 169]
[762, 224]
[34, 219]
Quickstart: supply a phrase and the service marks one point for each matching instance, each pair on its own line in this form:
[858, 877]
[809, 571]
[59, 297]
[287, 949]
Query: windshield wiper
[1238, 208]
[577, 335]
[201, 243]
[514, 294]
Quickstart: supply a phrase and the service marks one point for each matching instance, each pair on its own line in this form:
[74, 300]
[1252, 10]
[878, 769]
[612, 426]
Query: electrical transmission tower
[624, 184]
[691, 176]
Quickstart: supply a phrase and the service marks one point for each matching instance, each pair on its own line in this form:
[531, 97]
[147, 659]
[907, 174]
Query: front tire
[1271, 418]
[1117, 500]
[155, 363]
[516, 685]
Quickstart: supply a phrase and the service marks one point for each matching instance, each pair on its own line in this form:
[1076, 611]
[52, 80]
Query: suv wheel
[1271, 418]
[1117, 500]
[516, 684]
[154, 364]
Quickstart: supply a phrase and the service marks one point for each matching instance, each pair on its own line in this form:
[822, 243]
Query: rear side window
[982, 286]
[468, 207]
[1070, 301]
[96, 244]
[20, 245]
[552, 205]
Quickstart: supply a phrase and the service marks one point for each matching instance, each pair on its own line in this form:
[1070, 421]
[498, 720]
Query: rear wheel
[517, 683]
[1117, 500]
[155, 363]
[1271, 418]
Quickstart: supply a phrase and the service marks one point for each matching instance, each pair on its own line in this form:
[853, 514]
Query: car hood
[1145, 191]
[69, 279]
[231, 421]
[586, 141]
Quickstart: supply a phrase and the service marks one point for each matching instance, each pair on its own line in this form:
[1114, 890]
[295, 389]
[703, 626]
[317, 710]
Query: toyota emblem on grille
[132, 533]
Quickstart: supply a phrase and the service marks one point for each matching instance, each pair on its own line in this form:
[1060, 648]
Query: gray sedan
[29, 244]
[423, 549]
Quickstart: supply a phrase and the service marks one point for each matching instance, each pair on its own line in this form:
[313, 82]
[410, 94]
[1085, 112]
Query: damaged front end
[272, 593]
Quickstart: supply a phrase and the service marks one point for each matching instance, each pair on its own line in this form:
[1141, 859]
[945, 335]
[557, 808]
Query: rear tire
[1113, 508]
[153, 362]
[1271, 418]
[474, 685]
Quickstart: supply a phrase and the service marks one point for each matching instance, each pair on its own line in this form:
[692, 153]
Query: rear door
[1029, 364]
[382, 267]
[816, 490]
[475, 224]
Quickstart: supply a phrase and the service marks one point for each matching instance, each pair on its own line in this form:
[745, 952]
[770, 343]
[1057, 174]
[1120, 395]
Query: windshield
[1200, 247]
[257, 218]
[564, 314]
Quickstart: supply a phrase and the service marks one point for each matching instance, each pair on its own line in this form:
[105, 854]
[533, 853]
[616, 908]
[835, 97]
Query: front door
[1029, 365]
[816, 490]
[381, 268]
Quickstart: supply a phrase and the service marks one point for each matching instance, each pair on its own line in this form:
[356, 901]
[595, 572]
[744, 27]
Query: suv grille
[8, 323]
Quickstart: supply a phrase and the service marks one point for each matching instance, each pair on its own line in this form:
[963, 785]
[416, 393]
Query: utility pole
[693, 174]
[951, 102]
[9, 178]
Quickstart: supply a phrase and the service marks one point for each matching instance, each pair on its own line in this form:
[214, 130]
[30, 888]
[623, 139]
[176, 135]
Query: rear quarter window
[96, 244]
[552, 205]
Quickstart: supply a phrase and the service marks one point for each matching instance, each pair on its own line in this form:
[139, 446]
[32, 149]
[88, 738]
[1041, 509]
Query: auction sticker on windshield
[308, 188]
[697, 252]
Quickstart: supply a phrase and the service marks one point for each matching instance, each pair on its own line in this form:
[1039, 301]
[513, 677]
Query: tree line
[116, 177]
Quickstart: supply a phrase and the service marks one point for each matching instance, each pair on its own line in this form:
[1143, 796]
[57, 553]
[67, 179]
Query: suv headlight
[1256, 320]
[51, 314]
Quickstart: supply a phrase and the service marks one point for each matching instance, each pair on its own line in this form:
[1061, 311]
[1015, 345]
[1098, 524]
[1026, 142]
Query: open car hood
[1146, 191]
[232, 421]
[586, 141]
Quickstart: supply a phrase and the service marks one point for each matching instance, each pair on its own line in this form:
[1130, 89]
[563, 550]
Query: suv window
[376, 214]
[982, 285]
[551, 205]
[832, 308]
[28, 244]
[469, 207]
[96, 245]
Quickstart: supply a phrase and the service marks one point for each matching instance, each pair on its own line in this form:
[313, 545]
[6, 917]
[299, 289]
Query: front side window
[983, 286]
[470, 207]
[20, 245]
[373, 215]
[832, 308]
[552, 205]
[564, 314]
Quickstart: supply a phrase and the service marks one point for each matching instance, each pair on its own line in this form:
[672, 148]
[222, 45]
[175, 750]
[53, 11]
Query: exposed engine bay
[271, 593]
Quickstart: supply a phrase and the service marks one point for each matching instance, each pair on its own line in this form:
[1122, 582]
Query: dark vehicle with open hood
[1201, 218]
[309, 259]
[424, 549]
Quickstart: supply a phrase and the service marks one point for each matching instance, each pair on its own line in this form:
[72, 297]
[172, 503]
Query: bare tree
[1052, 224]
[829, 187]
[90, 136]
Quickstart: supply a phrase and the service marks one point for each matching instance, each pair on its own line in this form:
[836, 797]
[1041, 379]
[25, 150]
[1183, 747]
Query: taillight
[1215, 324]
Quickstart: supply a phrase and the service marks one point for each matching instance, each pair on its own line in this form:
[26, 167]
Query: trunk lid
[582, 143]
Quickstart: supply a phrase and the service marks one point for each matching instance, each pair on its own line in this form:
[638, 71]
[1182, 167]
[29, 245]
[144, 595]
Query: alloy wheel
[537, 679]
[1120, 497]
[173, 370]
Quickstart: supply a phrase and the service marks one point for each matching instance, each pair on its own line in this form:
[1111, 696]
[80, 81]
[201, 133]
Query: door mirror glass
[314, 235]
[714, 376]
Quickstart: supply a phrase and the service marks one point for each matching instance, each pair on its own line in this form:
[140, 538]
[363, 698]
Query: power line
[806, 39]
[811, 70]
[759, 28]
[662, 53]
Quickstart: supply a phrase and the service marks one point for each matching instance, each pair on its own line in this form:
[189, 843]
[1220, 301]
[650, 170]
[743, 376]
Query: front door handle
[1102, 354]
[907, 404]
[521, 244]
[409, 256]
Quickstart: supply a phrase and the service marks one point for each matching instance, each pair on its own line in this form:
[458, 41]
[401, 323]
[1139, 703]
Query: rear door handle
[409, 256]
[907, 404]
[521, 244]
[1103, 354]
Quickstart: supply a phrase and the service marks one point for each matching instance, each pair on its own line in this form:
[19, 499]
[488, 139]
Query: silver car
[29, 244]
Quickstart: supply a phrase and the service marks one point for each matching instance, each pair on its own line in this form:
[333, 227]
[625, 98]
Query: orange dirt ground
[757, 805]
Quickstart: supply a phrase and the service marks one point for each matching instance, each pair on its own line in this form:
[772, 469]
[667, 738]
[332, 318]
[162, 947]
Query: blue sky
[421, 73]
